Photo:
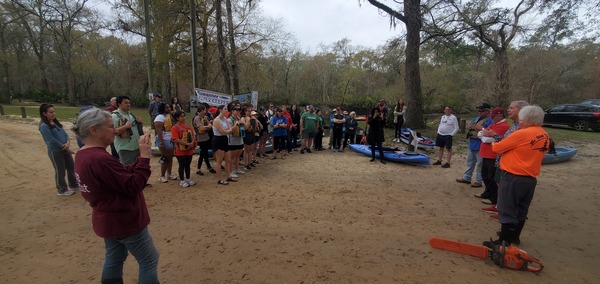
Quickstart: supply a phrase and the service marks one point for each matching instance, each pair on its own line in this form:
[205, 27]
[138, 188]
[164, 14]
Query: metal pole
[193, 41]
[148, 45]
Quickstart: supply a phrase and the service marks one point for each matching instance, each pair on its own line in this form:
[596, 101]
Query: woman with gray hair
[522, 154]
[114, 191]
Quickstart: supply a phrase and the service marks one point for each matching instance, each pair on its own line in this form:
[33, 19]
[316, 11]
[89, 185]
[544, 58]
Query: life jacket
[186, 135]
[168, 124]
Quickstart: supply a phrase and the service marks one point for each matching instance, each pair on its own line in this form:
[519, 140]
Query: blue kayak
[562, 154]
[393, 154]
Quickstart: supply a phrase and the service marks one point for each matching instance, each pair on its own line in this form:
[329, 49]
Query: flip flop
[223, 182]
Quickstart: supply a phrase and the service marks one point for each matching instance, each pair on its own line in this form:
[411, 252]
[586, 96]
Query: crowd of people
[503, 159]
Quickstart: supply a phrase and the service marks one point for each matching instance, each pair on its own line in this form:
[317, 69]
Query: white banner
[211, 98]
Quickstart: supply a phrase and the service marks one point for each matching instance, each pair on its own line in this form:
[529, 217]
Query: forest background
[457, 53]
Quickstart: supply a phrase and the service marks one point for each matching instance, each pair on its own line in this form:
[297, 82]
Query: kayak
[393, 154]
[562, 154]
[424, 142]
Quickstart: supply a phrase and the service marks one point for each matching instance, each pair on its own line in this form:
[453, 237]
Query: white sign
[211, 98]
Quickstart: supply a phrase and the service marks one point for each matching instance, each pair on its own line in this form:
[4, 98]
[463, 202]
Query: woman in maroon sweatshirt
[114, 191]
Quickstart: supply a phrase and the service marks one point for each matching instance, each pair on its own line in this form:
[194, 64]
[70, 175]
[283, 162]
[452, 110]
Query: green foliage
[42, 97]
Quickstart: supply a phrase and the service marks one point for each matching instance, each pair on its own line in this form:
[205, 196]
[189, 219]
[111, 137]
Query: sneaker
[184, 184]
[308, 151]
[163, 179]
[437, 163]
[198, 172]
[486, 201]
[239, 172]
[233, 175]
[74, 189]
[212, 171]
[446, 165]
[495, 217]
[174, 177]
[490, 209]
[190, 182]
[302, 151]
[462, 180]
[247, 168]
[476, 184]
[67, 192]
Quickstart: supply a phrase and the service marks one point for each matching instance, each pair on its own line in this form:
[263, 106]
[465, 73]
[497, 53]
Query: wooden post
[1, 110]
[23, 113]
[463, 125]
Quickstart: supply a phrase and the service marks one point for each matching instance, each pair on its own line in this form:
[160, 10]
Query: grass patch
[63, 113]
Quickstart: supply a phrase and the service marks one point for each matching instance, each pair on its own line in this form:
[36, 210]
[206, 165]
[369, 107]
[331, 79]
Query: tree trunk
[221, 47]
[5, 79]
[412, 79]
[502, 87]
[232, 49]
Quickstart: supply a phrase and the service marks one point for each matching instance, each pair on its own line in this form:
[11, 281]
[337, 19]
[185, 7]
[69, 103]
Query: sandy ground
[313, 218]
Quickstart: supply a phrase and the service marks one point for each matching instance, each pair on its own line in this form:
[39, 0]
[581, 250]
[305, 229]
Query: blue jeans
[473, 164]
[141, 247]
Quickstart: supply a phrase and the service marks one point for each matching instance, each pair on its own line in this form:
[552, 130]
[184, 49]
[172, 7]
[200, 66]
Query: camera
[469, 134]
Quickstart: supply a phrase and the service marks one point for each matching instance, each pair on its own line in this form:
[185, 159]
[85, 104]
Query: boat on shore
[562, 154]
[393, 154]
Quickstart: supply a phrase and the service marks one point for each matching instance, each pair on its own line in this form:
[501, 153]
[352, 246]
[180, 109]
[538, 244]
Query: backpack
[186, 135]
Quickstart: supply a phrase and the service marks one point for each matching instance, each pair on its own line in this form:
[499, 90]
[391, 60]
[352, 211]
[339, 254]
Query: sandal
[223, 182]
[232, 179]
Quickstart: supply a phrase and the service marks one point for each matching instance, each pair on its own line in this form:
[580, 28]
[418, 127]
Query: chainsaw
[503, 255]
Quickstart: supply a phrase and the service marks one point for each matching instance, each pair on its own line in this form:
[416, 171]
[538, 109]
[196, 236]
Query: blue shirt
[280, 131]
[54, 137]
[474, 142]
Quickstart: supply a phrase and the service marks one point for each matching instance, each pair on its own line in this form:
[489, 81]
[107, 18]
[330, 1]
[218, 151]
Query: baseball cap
[345, 112]
[496, 111]
[253, 113]
[334, 110]
[157, 95]
[484, 106]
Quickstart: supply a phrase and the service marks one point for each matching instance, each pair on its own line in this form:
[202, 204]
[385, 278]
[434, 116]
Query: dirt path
[314, 218]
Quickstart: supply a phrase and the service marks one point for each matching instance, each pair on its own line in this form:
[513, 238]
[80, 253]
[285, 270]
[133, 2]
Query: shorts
[309, 134]
[220, 143]
[444, 141]
[168, 143]
[249, 138]
[236, 147]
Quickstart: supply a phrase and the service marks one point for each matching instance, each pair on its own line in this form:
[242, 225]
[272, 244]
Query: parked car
[577, 116]
[591, 102]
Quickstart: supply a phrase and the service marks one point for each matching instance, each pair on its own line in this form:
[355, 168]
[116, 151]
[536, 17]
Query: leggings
[204, 146]
[184, 166]
[399, 124]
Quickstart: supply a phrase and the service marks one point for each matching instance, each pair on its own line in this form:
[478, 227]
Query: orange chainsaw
[503, 255]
